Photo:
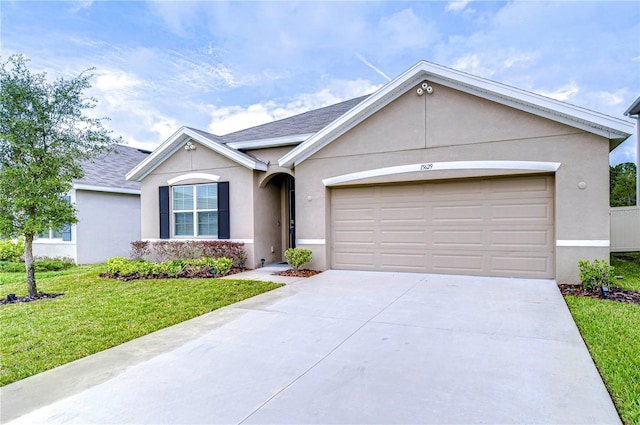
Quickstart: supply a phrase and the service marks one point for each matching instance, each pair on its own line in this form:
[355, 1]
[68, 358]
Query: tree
[44, 136]
[622, 184]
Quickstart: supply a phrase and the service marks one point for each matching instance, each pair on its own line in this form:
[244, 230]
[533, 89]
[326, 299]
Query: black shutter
[224, 227]
[163, 192]
[66, 228]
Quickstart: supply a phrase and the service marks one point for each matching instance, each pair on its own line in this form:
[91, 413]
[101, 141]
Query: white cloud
[228, 119]
[455, 6]
[404, 30]
[563, 93]
[523, 58]
[474, 64]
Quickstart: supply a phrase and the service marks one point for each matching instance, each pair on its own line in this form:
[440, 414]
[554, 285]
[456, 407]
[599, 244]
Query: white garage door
[487, 227]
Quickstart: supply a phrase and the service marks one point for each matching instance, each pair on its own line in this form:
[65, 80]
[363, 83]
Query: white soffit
[270, 143]
[94, 188]
[614, 129]
[176, 141]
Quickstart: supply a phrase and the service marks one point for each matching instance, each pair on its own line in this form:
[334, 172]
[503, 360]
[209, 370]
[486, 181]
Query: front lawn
[96, 314]
[611, 331]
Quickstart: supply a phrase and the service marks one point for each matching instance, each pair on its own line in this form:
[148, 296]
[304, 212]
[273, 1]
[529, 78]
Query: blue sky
[224, 66]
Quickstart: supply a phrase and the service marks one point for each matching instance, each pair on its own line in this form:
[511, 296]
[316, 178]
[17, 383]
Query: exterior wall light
[424, 88]
[189, 147]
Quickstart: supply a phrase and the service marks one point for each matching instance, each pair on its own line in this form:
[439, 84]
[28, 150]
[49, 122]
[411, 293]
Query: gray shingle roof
[305, 123]
[109, 170]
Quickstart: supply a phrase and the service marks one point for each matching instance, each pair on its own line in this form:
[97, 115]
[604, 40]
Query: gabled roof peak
[614, 129]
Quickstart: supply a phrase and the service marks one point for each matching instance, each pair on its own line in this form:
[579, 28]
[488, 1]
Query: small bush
[11, 250]
[596, 274]
[297, 257]
[222, 266]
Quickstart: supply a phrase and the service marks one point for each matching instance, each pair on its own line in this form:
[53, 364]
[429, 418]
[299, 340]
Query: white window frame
[50, 237]
[194, 212]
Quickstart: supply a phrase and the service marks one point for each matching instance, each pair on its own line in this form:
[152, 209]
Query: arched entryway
[281, 190]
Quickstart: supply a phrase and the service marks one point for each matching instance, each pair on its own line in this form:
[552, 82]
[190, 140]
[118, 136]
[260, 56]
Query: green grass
[611, 331]
[96, 314]
[627, 264]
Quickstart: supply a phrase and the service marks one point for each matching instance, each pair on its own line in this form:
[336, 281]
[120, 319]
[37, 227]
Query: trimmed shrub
[11, 250]
[596, 274]
[160, 251]
[123, 268]
[297, 257]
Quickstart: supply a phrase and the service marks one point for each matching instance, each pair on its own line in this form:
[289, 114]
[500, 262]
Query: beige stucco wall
[203, 160]
[453, 126]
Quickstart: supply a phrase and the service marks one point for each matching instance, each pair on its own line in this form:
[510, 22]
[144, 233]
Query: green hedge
[39, 266]
[123, 268]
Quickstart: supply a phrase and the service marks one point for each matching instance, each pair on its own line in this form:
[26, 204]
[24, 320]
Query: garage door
[487, 227]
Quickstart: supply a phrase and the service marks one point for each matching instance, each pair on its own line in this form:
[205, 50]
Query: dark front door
[291, 213]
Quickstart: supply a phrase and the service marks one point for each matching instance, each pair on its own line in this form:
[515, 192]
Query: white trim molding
[428, 167]
[94, 188]
[247, 241]
[591, 243]
[200, 176]
[310, 242]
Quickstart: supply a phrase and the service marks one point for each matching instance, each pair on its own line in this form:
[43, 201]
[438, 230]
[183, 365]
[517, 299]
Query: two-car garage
[491, 226]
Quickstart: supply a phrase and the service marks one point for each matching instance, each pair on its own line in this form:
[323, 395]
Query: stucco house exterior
[108, 211]
[438, 171]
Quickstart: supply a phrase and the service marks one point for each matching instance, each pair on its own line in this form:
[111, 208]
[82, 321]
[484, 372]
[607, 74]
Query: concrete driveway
[342, 347]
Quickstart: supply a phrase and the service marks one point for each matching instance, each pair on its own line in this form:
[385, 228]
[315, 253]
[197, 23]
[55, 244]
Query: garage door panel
[457, 213]
[457, 263]
[519, 239]
[354, 215]
[455, 190]
[403, 214]
[519, 264]
[453, 238]
[532, 186]
[492, 226]
[355, 237]
[406, 260]
[414, 238]
[518, 212]
[353, 260]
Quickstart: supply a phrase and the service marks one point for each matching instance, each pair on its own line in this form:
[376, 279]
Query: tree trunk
[28, 262]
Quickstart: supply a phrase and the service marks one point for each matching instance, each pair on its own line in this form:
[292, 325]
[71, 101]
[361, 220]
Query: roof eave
[634, 109]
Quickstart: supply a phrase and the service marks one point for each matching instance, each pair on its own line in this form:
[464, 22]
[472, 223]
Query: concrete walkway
[342, 347]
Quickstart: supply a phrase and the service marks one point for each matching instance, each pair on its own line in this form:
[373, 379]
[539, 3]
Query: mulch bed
[27, 299]
[615, 294]
[298, 273]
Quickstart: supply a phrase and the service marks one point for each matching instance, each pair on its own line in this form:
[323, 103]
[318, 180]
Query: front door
[291, 210]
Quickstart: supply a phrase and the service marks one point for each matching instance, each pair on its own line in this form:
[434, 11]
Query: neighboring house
[108, 211]
[438, 171]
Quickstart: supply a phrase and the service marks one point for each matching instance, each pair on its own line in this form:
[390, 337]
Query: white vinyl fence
[625, 229]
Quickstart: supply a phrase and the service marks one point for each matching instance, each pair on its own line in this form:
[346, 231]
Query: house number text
[424, 167]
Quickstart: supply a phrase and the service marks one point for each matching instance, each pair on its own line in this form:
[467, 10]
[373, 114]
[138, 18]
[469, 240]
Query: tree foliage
[622, 185]
[44, 136]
